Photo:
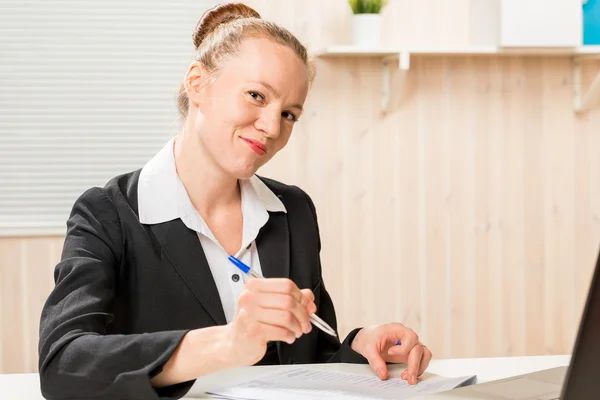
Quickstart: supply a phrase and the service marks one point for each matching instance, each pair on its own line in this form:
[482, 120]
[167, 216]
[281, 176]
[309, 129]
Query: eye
[289, 116]
[256, 96]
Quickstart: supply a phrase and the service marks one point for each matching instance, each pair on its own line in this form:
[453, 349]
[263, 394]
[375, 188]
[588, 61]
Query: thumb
[308, 299]
[308, 295]
[378, 364]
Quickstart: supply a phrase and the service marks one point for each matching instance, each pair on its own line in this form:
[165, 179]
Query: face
[246, 114]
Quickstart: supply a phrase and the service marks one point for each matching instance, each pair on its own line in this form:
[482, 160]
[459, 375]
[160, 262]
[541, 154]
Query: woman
[145, 298]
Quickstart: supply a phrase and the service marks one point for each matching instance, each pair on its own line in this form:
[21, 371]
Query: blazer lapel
[183, 249]
[273, 245]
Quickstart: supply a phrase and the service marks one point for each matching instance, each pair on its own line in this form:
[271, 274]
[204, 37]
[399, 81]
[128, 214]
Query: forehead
[262, 59]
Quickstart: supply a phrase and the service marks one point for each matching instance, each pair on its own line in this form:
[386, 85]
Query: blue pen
[314, 319]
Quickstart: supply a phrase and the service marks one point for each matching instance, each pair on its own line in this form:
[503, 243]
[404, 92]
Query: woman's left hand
[378, 345]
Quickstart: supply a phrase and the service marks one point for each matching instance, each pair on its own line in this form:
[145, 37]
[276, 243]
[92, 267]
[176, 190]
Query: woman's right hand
[272, 309]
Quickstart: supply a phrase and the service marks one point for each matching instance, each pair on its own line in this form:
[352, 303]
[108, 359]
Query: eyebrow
[277, 94]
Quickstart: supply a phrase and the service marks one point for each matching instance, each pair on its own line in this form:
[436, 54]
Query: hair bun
[220, 14]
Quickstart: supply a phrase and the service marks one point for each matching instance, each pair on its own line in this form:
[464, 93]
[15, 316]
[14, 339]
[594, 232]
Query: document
[304, 383]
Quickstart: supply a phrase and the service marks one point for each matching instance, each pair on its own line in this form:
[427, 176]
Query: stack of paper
[303, 383]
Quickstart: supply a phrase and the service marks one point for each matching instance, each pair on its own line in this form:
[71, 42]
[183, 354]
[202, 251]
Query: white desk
[27, 386]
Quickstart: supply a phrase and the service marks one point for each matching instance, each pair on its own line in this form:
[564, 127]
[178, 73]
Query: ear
[195, 82]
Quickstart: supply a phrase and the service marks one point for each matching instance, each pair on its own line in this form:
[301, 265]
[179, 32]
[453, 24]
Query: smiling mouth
[256, 146]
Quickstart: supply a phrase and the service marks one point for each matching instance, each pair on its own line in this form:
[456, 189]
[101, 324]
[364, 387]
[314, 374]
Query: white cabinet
[540, 23]
[484, 22]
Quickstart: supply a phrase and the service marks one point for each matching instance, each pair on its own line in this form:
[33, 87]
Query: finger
[309, 300]
[271, 333]
[427, 356]
[286, 287]
[309, 296]
[275, 285]
[286, 302]
[281, 318]
[414, 361]
[377, 364]
[408, 339]
[425, 360]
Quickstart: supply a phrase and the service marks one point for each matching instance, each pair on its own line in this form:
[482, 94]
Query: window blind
[88, 91]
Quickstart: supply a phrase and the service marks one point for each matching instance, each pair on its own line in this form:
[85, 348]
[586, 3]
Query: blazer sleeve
[77, 359]
[329, 349]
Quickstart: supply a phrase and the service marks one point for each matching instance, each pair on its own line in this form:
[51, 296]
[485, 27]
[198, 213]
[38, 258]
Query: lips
[256, 146]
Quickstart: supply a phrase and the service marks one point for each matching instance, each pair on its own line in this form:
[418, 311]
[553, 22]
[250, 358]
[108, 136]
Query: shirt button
[235, 277]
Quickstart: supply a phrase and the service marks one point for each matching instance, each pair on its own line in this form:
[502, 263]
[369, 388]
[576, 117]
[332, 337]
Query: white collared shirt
[162, 197]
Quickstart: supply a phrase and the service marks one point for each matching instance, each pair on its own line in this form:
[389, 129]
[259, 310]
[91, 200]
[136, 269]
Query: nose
[269, 123]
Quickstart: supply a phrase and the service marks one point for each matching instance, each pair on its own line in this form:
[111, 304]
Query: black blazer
[126, 293]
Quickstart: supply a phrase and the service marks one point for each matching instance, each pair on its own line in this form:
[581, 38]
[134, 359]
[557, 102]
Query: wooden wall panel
[26, 278]
[484, 162]
[11, 300]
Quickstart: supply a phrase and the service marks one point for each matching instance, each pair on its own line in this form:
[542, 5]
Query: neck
[208, 186]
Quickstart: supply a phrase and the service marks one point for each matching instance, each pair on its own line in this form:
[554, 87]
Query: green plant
[367, 6]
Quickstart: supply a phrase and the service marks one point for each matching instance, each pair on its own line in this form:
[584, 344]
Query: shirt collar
[162, 196]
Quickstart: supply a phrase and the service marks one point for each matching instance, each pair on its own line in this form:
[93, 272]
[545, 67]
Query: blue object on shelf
[591, 22]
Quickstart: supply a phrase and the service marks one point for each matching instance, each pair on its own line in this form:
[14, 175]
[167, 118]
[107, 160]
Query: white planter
[366, 30]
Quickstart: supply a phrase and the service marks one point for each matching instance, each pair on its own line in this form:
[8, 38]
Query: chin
[246, 175]
[244, 172]
[243, 167]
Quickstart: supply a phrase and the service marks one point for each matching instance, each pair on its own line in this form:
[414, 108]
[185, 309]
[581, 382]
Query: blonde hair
[222, 29]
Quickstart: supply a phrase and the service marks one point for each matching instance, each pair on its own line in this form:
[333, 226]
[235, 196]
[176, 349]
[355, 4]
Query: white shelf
[581, 101]
[353, 51]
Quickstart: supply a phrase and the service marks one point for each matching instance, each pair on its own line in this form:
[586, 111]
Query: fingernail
[298, 334]
[307, 327]
[413, 379]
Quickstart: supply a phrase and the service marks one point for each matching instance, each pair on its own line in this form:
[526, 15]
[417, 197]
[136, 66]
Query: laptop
[579, 381]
